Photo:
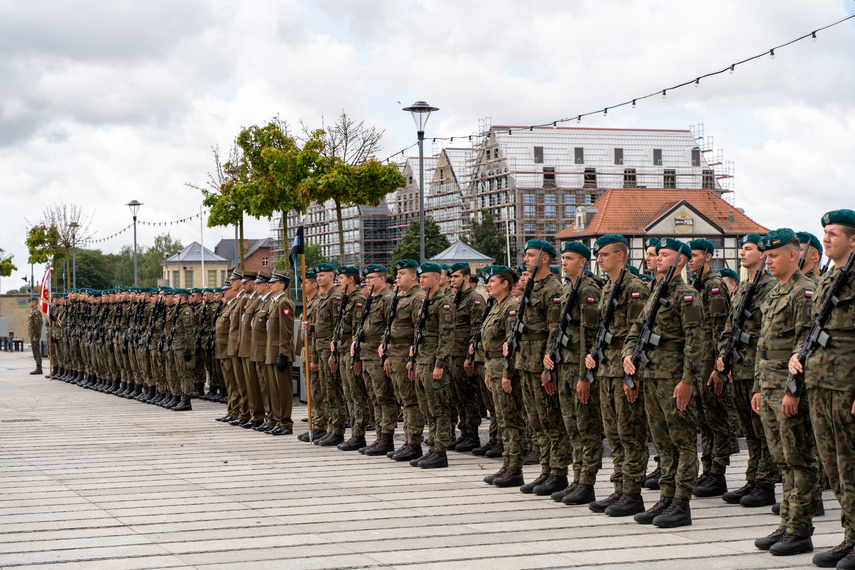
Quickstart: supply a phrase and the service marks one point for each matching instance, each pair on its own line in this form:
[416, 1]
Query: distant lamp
[135, 207]
[421, 111]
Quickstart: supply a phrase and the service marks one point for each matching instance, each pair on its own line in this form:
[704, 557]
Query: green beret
[841, 217]
[310, 274]
[576, 247]
[750, 238]
[346, 270]
[555, 269]
[633, 269]
[485, 272]
[404, 263]
[543, 246]
[181, 291]
[674, 245]
[645, 277]
[702, 244]
[608, 239]
[522, 268]
[777, 238]
[429, 267]
[324, 268]
[810, 239]
[459, 266]
[373, 269]
[651, 242]
[166, 291]
[496, 269]
[728, 272]
[32, 299]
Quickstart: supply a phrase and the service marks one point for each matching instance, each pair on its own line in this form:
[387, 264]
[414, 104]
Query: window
[670, 178]
[264, 262]
[549, 211]
[569, 211]
[590, 180]
[708, 180]
[548, 177]
[549, 197]
[530, 211]
[590, 198]
[629, 178]
[212, 278]
[188, 278]
[657, 157]
[579, 154]
[696, 157]
[496, 153]
[570, 198]
[528, 198]
[529, 228]
[619, 156]
[549, 228]
[176, 280]
[538, 155]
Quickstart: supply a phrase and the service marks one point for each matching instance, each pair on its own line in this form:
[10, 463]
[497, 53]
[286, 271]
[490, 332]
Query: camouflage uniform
[183, 346]
[316, 390]
[372, 369]
[508, 407]
[325, 317]
[468, 310]
[676, 359]
[786, 319]
[34, 331]
[400, 341]
[623, 422]
[583, 422]
[543, 410]
[710, 408]
[761, 470]
[355, 396]
[828, 378]
[435, 352]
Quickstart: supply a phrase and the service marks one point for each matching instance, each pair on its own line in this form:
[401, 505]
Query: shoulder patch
[591, 300]
[556, 300]
[636, 295]
[286, 311]
[808, 294]
[477, 303]
[715, 290]
[512, 313]
[186, 312]
[359, 305]
[338, 298]
[688, 298]
[446, 307]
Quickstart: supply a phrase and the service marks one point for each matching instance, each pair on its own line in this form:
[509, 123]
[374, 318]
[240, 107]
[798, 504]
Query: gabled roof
[193, 254]
[630, 211]
[459, 251]
[226, 247]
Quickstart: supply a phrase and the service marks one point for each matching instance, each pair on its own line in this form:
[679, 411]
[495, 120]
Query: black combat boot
[409, 452]
[173, 401]
[766, 542]
[830, 558]
[496, 451]
[183, 404]
[437, 460]
[331, 440]
[652, 480]
[352, 444]
[385, 444]
[647, 516]
[489, 478]
[601, 506]
[416, 460]
[678, 513]
[628, 505]
[581, 495]
[791, 544]
[528, 488]
[198, 389]
[714, 485]
[558, 495]
[733, 497]
[513, 477]
[484, 448]
[453, 445]
[759, 497]
[533, 457]
[469, 443]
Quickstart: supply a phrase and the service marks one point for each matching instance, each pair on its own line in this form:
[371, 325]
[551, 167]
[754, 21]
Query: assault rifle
[646, 338]
[154, 314]
[393, 310]
[804, 256]
[516, 332]
[162, 339]
[209, 340]
[825, 267]
[476, 342]
[604, 337]
[816, 336]
[201, 326]
[337, 336]
[360, 333]
[737, 335]
[172, 326]
[420, 330]
[561, 338]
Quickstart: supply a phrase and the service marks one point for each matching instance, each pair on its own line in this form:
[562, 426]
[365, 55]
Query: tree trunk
[240, 243]
[340, 233]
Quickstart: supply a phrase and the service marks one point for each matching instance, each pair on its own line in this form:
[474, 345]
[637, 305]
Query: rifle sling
[764, 354]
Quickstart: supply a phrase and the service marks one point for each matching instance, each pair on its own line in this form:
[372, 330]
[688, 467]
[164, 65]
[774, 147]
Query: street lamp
[421, 112]
[73, 226]
[134, 206]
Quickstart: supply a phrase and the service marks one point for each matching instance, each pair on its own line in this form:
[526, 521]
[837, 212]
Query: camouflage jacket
[438, 334]
[582, 329]
[324, 317]
[350, 320]
[679, 324]
[406, 317]
[375, 325]
[468, 311]
[716, 300]
[786, 319]
[833, 366]
[184, 337]
[744, 369]
[34, 324]
[544, 308]
[631, 302]
[494, 332]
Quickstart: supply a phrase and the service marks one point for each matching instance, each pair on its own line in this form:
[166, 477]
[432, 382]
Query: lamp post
[421, 112]
[134, 206]
[73, 226]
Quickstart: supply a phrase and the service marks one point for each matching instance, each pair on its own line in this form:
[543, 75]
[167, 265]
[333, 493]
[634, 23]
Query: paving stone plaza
[89, 480]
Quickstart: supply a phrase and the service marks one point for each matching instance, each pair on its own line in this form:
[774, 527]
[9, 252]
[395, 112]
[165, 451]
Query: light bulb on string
[579, 119]
[633, 103]
[664, 91]
[606, 112]
[771, 54]
[732, 68]
[813, 36]
[698, 82]
[554, 124]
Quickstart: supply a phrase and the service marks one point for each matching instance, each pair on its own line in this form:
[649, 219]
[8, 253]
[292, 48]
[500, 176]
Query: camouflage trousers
[464, 397]
[414, 418]
[333, 393]
[626, 431]
[674, 434]
[386, 412]
[173, 380]
[791, 444]
[158, 370]
[494, 431]
[37, 353]
[354, 393]
[544, 418]
[183, 373]
[315, 391]
[584, 425]
[834, 431]
[434, 400]
[711, 411]
[761, 469]
[509, 413]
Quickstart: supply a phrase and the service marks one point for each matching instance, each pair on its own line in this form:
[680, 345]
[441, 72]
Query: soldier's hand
[506, 385]
[411, 373]
[281, 362]
[716, 383]
[357, 368]
[437, 373]
[590, 363]
[351, 348]
[547, 385]
[471, 349]
[583, 389]
[790, 406]
[469, 369]
[505, 349]
[683, 393]
[719, 364]
[304, 325]
[314, 366]
[332, 346]
[547, 362]
[631, 395]
[386, 369]
[794, 365]
[628, 366]
[380, 350]
[488, 384]
[411, 352]
[755, 403]
[332, 364]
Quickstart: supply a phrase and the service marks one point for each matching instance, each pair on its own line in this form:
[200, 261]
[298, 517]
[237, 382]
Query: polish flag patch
[591, 300]
[715, 290]
[556, 300]
[688, 298]
[636, 295]
[286, 311]
[446, 307]
[359, 305]
[808, 294]
[477, 303]
[338, 298]
[512, 313]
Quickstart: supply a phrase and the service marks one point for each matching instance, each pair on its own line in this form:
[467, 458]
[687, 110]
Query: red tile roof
[629, 211]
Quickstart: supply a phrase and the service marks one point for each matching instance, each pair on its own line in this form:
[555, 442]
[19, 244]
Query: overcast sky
[104, 102]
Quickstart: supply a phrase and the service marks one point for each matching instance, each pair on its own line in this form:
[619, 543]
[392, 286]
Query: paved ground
[89, 480]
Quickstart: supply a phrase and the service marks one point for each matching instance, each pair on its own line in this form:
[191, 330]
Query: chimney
[730, 217]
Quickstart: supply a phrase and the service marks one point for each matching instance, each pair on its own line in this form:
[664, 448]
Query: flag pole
[307, 369]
